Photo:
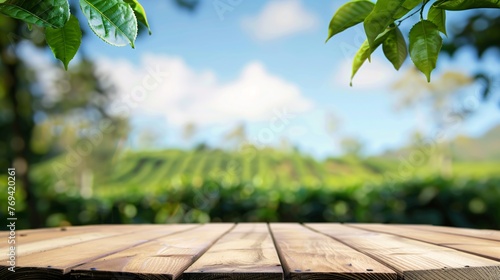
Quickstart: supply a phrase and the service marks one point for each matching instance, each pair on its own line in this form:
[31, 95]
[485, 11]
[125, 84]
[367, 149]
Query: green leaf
[395, 48]
[438, 17]
[406, 7]
[425, 44]
[380, 18]
[459, 5]
[64, 42]
[359, 59]
[348, 15]
[139, 12]
[54, 13]
[111, 20]
[365, 52]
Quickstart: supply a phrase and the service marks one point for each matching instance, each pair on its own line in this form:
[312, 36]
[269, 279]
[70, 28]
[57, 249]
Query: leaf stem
[407, 17]
[422, 9]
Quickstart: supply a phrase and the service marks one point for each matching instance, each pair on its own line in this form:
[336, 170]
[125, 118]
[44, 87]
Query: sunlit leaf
[380, 18]
[365, 51]
[43, 13]
[139, 12]
[425, 44]
[348, 15]
[360, 58]
[64, 42]
[438, 17]
[395, 48]
[459, 5]
[111, 20]
[406, 6]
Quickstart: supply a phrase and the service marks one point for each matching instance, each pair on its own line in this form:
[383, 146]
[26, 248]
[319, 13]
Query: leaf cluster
[114, 21]
[381, 22]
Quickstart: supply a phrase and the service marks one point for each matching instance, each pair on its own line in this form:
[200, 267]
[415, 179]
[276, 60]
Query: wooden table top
[254, 251]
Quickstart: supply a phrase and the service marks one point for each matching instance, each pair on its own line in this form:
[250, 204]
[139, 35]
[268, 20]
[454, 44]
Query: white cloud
[375, 75]
[278, 19]
[184, 95]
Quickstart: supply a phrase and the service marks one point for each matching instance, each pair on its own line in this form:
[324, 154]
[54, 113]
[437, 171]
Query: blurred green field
[263, 185]
[265, 168]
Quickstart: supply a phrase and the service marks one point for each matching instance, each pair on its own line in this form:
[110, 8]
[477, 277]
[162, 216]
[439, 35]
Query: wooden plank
[482, 247]
[478, 233]
[162, 258]
[54, 263]
[32, 235]
[4, 233]
[414, 260]
[47, 240]
[247, 252]
[48, 234]
[62, 228]
[306, 254]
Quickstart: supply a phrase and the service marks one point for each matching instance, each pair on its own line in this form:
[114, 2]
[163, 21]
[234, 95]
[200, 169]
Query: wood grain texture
[414, 260]
[482, 247]
[247, 252]
[27, 232]
[42, 231]
[477, 233]
[57, 262]
[43, 240]
[306, 254]
[162, 258]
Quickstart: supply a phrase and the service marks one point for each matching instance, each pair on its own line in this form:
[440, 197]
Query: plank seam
[82, 242]
[459, 234]
[70, 269]
[202, 252]
[284, 266]
[398, 273]
[428, 242]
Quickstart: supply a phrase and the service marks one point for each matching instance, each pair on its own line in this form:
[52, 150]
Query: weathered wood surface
[254, 251]
[31, 235]
[163, 258]
[247, 252]
[413, 260]
[476, 233]
[53, 263]
[309, 255]
[37, 241]
[482, 247]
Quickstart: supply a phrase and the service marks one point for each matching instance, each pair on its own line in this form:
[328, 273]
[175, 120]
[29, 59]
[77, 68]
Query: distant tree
[17, 120]
[201, 147]
[36, 126]
[149, 138]
[236, 136]
[480, 32]
[444, 117]
[332, 127]
[189, 131]
[351, 147]
[412, 91]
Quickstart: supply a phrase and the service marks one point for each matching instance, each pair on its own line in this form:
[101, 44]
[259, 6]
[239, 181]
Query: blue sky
[263, 57]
